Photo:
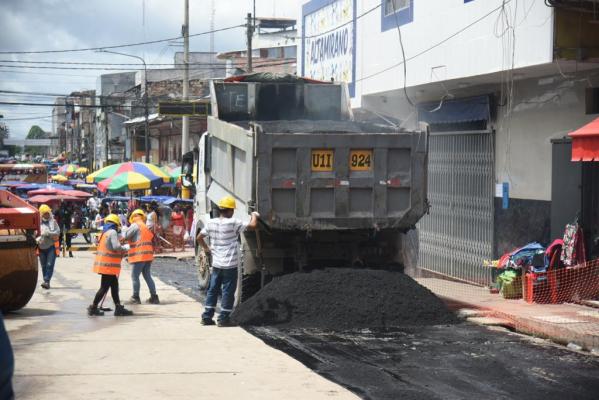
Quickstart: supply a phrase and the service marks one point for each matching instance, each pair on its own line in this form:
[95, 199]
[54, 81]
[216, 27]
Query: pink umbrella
[38, 192]
[76, 193]
[52, 198]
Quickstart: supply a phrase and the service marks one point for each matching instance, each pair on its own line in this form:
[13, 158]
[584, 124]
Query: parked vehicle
[330, 190]
[18, 274]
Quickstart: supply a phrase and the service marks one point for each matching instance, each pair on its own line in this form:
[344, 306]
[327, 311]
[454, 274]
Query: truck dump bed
[312, 170]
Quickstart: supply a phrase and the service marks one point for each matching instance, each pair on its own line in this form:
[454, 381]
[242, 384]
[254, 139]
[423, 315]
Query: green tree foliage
[35, 132]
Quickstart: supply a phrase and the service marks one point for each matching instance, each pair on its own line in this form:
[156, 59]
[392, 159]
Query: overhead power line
[103, 63]
[121, 45]
[200, 66]
[26, 118]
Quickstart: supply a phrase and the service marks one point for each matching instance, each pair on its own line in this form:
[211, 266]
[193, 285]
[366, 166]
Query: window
[396, 13]
[393, 6]
[592, 100]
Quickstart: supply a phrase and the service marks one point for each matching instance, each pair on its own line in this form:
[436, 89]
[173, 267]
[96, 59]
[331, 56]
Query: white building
[498, 81]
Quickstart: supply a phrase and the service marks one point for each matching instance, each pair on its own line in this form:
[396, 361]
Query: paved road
[443, 362]
[160, 353]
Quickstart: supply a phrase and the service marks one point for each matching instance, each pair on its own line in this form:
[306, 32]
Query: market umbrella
[68, 169]
[45, 191]
[60, 178]
[149, 171]
[128, 181]
[76, 193]
[81, 170]
[51, 198]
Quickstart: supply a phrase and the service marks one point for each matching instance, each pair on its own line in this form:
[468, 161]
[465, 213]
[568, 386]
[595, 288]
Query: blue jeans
[144, 269]
[225, 281]
[47, 259]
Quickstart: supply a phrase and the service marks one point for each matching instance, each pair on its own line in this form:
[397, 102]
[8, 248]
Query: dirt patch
[341, 299]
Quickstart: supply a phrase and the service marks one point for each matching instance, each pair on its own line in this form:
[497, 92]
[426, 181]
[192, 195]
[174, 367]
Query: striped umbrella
[172, 171]
[68, 169]
[59, 178]
[128, 181]
[149, 171]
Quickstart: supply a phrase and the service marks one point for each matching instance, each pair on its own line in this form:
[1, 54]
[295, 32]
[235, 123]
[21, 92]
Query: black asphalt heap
[340, 298]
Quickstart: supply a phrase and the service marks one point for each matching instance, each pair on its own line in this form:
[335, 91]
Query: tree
[35, 132]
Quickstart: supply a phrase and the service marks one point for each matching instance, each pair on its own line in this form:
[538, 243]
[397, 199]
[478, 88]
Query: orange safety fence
[561, 303]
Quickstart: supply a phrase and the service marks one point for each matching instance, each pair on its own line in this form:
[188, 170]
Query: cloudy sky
[32, 25]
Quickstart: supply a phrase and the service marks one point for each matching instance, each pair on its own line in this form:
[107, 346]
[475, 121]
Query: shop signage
[328, 38]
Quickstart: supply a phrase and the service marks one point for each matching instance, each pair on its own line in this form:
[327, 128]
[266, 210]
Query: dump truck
[331, 191]
[19, 222]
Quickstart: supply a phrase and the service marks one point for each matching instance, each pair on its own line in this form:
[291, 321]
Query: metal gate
[457, 235]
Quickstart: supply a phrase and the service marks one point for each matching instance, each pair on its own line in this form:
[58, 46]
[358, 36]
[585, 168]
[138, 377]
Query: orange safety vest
[107, 262]
[142, 250]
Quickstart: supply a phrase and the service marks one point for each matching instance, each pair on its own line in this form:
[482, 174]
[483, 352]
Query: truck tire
[203, 264]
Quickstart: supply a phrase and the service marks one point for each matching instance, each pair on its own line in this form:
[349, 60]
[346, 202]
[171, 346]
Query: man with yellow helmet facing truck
[141, 255]
[107, 263]
[223, 232]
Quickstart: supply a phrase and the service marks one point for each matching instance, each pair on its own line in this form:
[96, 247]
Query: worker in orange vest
[141, 255]
[108, 264]
[47, 244]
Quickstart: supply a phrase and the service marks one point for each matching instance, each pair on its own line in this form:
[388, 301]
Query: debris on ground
[343, 298]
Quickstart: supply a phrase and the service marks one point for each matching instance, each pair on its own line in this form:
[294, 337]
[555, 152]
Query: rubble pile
[343, 298]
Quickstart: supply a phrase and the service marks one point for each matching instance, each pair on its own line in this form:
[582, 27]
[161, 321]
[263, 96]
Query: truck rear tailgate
[320, 181]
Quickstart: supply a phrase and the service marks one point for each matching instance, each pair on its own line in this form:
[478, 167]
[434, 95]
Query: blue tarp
[455, 111]
[176, 200]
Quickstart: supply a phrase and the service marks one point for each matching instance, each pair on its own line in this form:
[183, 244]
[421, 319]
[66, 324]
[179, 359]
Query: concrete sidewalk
[561, 323]
[160, 353]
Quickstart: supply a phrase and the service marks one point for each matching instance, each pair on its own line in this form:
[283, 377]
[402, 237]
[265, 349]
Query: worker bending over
[223, 233]
[108, 264]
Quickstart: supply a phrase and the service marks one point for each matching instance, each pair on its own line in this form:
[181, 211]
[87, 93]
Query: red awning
[585, 142]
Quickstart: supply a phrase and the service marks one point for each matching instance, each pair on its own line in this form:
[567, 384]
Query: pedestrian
[66, 214]
[107, 263]
[178, 225]
[47, 244]
[223, 233]
[141, 255]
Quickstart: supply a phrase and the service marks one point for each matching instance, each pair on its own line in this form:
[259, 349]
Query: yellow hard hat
[139, 212]
[227, 202]
[113, 218]
[45, 209]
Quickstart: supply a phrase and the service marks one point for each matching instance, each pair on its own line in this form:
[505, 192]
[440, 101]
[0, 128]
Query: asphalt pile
[341, 299]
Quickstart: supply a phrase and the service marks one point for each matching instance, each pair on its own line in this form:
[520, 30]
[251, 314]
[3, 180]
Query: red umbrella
[75, 193]
[52, 198]
[37, 192]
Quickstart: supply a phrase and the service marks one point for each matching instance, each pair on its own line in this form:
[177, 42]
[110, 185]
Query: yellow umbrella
[59, 178]
[81, 170]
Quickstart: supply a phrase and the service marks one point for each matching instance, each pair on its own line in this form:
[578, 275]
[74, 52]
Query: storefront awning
[585, 142]
[456, 111]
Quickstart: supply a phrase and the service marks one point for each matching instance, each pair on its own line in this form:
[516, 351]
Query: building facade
[499, 82]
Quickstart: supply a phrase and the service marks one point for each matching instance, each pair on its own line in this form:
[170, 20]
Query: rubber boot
[135, 299]
[94, 311]
[154, 299]
[121, 311]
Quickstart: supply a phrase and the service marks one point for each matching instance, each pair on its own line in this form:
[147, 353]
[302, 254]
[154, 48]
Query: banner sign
[329, 41]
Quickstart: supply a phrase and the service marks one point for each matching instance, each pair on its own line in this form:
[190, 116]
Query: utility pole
[185, 121]
[250, 33]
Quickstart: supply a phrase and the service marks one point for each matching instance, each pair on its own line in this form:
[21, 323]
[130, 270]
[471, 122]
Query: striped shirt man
[224, 242]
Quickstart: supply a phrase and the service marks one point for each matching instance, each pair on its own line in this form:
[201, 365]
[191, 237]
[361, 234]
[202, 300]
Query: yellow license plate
[322, 160]
[360, 160]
